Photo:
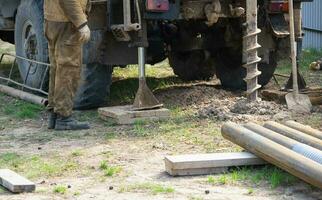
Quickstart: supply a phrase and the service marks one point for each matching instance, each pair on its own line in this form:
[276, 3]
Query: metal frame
[24, 85]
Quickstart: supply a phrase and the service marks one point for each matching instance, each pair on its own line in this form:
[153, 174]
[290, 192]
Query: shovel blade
[145, 99]
[298, 102]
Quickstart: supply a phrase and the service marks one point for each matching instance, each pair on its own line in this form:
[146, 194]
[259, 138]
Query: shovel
[295, 101]
[144, 99]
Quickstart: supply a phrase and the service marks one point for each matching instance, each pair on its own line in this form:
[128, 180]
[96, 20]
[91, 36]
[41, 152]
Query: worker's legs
[51, 37]
[69, 60]
[66, 58]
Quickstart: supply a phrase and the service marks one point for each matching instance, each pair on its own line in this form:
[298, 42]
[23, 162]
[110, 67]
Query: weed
[109, 135]
[250, 191]
[223, 179]
[103, 165]
[2, 190]
[109, 170]
[77, 193]
[77, 153]
[60, 189]
[139, 128]
[153, 188]
[21, 110]
[211, 180]
[274, 176]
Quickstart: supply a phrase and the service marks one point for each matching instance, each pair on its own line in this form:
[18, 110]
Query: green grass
[152, 188]
[109, 170]
[19, 109]
[308, 56]
[60, 189]
[250, 191]
[35, 166]
[77, 153]
[124, 89]
[274, 176]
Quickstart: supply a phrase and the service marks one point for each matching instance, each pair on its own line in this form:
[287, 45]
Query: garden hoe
[295, 101]
[144, 99]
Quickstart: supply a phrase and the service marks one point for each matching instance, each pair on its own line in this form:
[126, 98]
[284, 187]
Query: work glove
[85, 34]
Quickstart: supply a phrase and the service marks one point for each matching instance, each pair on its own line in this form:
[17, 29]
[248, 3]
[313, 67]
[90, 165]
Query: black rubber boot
[69, 123]
[52, 120]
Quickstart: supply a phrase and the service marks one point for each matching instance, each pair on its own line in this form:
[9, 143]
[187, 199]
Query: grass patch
[2, 190]
[36, 166]
[77, 153]
[152, 188]
[274, 176]
[19, 109]
[109, 170]
[308, 56]
[123, 90]
[60, 189]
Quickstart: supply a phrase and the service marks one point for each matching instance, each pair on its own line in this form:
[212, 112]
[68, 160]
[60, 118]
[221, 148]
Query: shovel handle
[293, 48]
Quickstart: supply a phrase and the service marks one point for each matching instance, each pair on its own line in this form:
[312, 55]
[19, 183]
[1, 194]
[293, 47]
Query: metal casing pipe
[303, 149]
[23, 95]
[305, 129]
[294, 134]
[272, 152]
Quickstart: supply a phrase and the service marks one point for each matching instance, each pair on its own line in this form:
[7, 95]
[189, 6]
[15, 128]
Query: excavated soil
[213, 102]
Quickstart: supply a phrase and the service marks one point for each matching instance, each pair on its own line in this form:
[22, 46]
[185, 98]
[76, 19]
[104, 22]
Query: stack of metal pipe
[291, 146]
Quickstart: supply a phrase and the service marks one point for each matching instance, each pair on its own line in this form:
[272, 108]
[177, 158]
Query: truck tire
[94, 86]
[231, 74]
[30, 41]
[192, 65]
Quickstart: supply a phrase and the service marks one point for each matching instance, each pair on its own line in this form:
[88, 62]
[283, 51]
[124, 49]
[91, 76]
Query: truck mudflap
[279, 25]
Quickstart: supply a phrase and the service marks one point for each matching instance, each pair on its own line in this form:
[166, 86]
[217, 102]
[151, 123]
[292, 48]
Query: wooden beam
[201, 164]
[14, 182]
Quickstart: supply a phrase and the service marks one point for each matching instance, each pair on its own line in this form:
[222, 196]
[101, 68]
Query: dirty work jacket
[67, 11]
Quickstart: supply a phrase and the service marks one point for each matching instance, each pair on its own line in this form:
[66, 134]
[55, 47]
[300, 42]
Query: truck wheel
[192, 65]
[231, 74]
[94, 86]
[30, 41]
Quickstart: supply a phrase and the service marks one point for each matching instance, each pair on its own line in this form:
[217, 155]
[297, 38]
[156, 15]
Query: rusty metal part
[250, 50]
[120, 31]
[23, 95]
[290, 161]
[144, 99]
[23, 86]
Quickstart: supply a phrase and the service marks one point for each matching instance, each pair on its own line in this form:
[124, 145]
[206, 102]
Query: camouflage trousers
[65, 54]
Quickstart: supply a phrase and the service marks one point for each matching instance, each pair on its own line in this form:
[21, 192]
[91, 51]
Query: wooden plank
[124, 114]
[200, 164]
[15, 183]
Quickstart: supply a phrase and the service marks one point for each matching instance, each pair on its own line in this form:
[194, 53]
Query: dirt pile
[239, 109]
[215, 103]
